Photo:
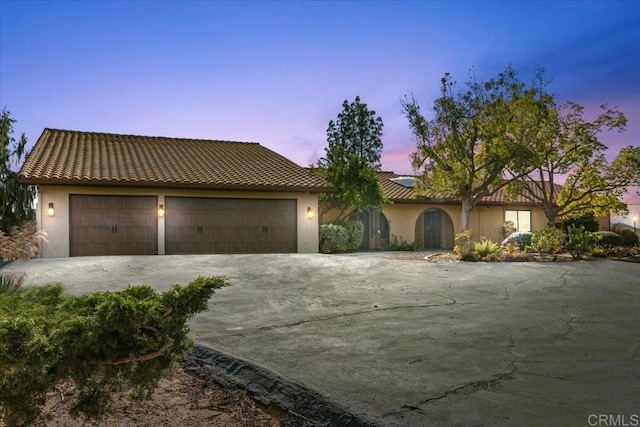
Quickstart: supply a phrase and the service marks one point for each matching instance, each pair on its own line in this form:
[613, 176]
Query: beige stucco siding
[57, 227]
[485, 220]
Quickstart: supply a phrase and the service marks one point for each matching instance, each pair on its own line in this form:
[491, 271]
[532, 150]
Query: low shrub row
[549, 241]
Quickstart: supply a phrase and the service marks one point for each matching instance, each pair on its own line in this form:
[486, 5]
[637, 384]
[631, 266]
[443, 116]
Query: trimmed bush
[356, 233]
[520, 238]
[333, 237]
[579, 241]
[608, 239]
[547, 241]
[629, 238]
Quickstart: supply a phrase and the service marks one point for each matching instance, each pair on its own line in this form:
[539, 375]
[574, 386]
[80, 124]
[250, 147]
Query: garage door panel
[113, 225]
[230, 225]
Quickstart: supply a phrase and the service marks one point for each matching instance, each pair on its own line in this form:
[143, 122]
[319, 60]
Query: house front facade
[431, 224]
[111, 194]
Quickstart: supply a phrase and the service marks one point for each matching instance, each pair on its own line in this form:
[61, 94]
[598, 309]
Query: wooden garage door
[113, 225]
[209, 226]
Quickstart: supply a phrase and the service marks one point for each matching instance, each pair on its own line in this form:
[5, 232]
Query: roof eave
[177, 185]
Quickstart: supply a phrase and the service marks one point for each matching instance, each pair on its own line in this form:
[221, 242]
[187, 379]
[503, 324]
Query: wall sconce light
[50, 210]
[160, 211]
[309, 212]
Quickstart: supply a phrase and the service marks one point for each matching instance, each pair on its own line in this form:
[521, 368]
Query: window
[521, 219]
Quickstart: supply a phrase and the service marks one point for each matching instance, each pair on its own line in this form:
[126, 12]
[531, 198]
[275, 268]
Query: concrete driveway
[414, 343]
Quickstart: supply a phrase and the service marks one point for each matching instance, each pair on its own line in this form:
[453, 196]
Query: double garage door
[128, 225]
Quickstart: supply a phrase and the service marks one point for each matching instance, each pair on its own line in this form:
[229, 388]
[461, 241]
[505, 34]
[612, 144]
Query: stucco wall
[485, 221]
[57, 227]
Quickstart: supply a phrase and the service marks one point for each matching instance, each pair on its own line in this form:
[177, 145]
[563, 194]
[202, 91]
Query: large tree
[478, 141]
[16, 205]
[574, 153]
[352, 160]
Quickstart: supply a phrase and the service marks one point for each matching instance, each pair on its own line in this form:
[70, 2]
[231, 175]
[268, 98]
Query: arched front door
[434, 230]
[376, 230]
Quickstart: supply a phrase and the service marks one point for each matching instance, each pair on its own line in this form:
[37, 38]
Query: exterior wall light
[160, 211]
[51, 211]
[309, 212]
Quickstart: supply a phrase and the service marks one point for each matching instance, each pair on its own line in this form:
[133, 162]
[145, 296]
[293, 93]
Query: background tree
[16, 201]
[593, 186]
[477, 143]
[352, 160]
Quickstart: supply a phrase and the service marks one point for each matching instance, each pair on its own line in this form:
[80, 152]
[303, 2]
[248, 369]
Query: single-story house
[431, 224]
[110, 194]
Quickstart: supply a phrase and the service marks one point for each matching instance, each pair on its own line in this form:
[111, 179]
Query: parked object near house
[111, 194]
[432, 224]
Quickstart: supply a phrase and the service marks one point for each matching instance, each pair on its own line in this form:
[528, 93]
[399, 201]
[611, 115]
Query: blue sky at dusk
[277, 72]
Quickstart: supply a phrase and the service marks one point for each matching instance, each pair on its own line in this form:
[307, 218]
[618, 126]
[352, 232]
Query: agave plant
[10, 285]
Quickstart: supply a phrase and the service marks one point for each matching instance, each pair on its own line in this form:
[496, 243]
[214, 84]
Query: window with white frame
[520, 219]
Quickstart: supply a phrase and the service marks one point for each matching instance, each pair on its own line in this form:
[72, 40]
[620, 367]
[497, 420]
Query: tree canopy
[593, 186]
[16, 205]
[478, 141]
[352, 159]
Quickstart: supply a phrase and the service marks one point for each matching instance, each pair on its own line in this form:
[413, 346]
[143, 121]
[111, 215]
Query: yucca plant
[10, 285]
[485, 247]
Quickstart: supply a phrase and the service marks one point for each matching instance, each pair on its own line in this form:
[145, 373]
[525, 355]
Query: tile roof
[93, 158]
[399, 193]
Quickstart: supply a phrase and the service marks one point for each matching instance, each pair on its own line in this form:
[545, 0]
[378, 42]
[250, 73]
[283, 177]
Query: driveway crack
[343, 315]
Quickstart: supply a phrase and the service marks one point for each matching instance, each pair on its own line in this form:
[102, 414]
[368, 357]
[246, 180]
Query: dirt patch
[182, 399]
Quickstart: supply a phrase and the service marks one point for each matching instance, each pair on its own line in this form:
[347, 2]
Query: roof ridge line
[149, 136]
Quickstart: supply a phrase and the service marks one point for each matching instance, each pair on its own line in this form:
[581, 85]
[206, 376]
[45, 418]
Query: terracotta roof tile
[93, 158]
[399, 193]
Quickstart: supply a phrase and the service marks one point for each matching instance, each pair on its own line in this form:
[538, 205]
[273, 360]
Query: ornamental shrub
[549, 240]
[485, 247]
[508, 228]
[399, 244]
[104, 342]
[608, 239]
[579, 241]
[333, 237]
[464, 246]
[520, 238]
[10, 285]
[355, 229]
[629, 238]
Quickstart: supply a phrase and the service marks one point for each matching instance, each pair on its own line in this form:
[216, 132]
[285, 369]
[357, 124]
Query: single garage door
[209, 226]
[113, 225]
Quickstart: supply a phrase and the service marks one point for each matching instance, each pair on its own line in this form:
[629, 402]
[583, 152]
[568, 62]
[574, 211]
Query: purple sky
[277, 72]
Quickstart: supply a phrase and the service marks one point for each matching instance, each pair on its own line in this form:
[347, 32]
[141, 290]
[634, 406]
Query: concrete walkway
[413, 342]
